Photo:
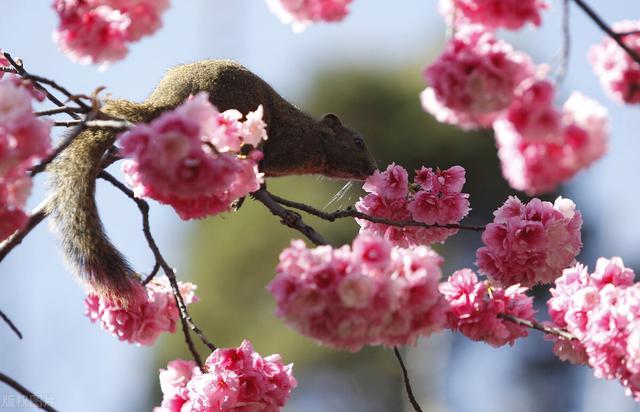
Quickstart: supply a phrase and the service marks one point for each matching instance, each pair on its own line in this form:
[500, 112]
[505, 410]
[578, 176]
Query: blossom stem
[351, 212]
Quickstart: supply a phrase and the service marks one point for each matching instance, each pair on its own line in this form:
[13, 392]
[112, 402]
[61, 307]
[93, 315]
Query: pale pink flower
[440, 202]
[24, 141]
[601, 310]
[474, 79]
[530, 244]
[540, 146]
[435, 199]
[236, 379]
[301, 13]
[98, 31]
[254, 129]
[474, 308]
[173, 382]
[619, 74]
[509, 14]
[390, 184]
[188, 158]
[341, 298]
[152, 311]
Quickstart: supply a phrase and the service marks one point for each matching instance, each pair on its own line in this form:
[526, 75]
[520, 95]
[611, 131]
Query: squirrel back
[297, 144]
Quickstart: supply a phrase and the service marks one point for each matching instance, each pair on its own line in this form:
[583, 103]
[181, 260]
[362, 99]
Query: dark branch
[187, 321]
[36, 83]
[407, 382]
[350, 212]
[58, 110]
[100, 124]
[26, 393]
[289, 218]
[565, 52]
[40, 167]
[12, 325]
[534, 324]
[605, 28]
[154, 272]
[37, 215]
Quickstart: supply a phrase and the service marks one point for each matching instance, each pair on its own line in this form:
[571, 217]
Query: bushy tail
[75, 215]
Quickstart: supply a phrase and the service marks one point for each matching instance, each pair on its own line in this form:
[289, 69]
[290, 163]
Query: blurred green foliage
[232, 257]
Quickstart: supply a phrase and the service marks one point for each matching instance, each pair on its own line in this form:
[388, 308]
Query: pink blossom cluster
[530, 243]
[304, 12]
[435, 198]
[24, 140]
[602, 311]
[152, 311]
[540, 146]
[368, 294]
[235, 379]
[98, 31]
[475, 306]
[619, 74]
[190, 157]
[474, 79]
[493, 14]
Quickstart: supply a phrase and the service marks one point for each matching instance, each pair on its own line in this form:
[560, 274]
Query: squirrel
[297, 145]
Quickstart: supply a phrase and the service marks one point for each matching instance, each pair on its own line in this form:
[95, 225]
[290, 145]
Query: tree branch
[605, 28]
[407, 382]
[187, 321]
[58, 110]
[8, 321]
[26, 393]
[100, 124]
[351, 212]
[534, 324]
[37, 215]
[19, 70]
[289, 218]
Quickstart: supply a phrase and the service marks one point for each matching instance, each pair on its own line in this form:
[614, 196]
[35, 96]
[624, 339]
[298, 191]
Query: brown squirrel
[297, 144]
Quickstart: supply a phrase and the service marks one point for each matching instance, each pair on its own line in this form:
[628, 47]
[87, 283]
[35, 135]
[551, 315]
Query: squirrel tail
[75, 214]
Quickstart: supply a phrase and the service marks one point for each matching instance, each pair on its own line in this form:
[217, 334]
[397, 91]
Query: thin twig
[100, 124]
[39, 79]
[407, 382]
[534, 324]
[565, 52]
[40, 167]
[154, 272]
[289, 218]
[187, 321]
[58, 110]
[605, 28]
[26, 393]
[36, 79]
[12, 325]
[627, 33]
[350, 212]
[37, 215]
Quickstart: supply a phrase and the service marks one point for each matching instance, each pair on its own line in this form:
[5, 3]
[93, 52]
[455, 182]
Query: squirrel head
[347, 154]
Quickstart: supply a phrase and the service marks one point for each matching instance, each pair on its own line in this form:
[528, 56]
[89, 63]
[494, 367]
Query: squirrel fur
[297, 144]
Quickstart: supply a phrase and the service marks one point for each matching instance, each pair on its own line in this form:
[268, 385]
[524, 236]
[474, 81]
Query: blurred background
[368, 70]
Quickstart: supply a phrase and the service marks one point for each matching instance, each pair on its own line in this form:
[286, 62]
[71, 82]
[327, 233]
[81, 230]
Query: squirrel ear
[332, 120]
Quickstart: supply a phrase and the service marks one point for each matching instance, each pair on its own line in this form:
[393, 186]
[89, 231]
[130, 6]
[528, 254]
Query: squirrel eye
[359, 143]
